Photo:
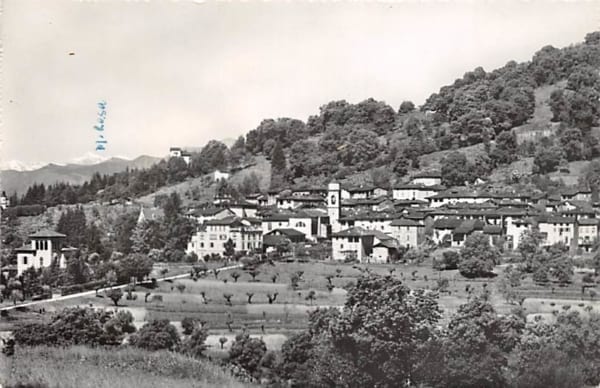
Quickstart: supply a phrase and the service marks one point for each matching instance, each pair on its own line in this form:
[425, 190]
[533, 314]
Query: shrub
[188, 324]
[449, 260]
[77, 326]
[195, 345]
[588, 278]
[247, 352]
[156, 335]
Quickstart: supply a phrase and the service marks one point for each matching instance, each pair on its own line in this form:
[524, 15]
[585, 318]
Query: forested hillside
[496, 110]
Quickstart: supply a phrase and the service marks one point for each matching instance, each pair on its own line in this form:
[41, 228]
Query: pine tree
[278, 164]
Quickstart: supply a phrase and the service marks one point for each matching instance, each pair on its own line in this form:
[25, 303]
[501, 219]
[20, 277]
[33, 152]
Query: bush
[449, 260]
[247, 352]
[77, 326]
[588, 278]
[194, 346]
[156, 335]
[188, 324]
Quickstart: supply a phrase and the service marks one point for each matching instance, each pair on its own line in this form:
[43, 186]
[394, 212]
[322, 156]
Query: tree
[249, 295]
[455, 169]
[477, 257]
[72, 223]
[228, 298]
[180, 287]
[475, 349]
[254, 273]
[133, 265]
[505, 150]
[195, 344]
[406, 107]
[278, 162]
[247, 352]
[115, 294]
[229, 247]
[222, 341]
[312, 296]
[510, 279]
[572, 145]
[235, 275]
[156, 335]
[547, 159]
[529, 246]
[374, 341]
[545, 366]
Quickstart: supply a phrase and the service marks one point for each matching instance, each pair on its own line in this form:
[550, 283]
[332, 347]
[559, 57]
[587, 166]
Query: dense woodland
[344, 138]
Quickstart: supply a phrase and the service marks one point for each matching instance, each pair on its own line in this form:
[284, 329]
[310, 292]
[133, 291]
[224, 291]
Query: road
[93, 292]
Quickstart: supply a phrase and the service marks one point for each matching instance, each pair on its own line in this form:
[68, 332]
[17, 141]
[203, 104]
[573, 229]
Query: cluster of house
[366, 223]
[372, 224]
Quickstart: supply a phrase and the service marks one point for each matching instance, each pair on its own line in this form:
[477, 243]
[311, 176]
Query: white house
[413, 191]
[177, 152]
[45, 246]
[212, 236]
[362, 245]
[4, 202]
[557, 230]
[408, 233]
[514, 229]
[587, 233]
[218, 175]
[428, 178]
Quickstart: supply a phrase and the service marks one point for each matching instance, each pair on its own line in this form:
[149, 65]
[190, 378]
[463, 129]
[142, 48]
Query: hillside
[18, 181]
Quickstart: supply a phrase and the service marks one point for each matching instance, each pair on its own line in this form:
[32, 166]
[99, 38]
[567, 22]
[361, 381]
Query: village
[364, 224]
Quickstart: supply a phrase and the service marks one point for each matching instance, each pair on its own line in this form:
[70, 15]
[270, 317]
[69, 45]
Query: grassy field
[81, 367]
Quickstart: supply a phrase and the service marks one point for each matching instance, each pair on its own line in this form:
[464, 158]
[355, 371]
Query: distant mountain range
[20, 177]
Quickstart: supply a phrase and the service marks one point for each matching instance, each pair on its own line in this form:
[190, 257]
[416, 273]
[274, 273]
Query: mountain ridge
[18, 181]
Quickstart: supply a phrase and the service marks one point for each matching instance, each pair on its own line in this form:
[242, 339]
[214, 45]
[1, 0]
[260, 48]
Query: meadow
[82, 367]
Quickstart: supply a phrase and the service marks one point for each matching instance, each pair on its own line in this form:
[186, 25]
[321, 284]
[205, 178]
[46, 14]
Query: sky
[180, 73]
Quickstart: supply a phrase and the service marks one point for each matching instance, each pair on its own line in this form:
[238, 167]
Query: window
[41, 261]
[212, 245]
[341, 246]
[201, 245]
[24, 260]
[300, 224]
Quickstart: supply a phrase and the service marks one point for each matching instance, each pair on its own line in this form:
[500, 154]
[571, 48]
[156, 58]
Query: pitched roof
[447, 223]
[556, 220]
[468, 226]
[355, 231]
[587, 221]
[288, 232]
[47, 234]
[492, 229]
[428, 174]
[25, 248]
[405, 222]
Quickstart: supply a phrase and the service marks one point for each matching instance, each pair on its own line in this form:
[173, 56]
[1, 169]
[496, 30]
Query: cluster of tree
[165, 239]
[545, 263]
[77, 326]
[457, 170]
[387, 336]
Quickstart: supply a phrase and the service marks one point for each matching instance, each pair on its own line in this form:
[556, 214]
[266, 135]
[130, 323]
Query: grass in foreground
[81, 367]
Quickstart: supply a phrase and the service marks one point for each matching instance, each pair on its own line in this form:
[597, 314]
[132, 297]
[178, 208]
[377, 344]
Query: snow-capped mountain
[18, 180]
[17, 165]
